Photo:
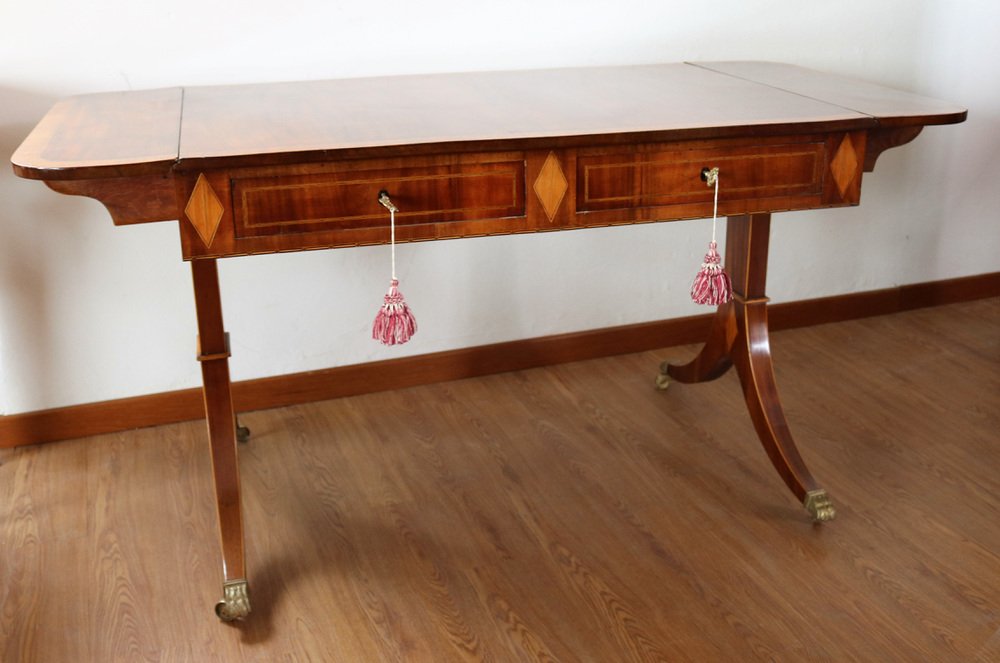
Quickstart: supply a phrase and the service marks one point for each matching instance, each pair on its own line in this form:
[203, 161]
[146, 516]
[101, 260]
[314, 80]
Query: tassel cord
[715, 208]
[392, 238]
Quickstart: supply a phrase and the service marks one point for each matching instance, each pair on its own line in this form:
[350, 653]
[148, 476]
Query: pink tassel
[394, 323]
[712, 285]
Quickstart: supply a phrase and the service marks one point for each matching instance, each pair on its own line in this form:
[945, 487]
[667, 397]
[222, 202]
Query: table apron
[242, 211]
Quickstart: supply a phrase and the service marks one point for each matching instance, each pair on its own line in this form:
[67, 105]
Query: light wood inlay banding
[670, 175]
[348, 200]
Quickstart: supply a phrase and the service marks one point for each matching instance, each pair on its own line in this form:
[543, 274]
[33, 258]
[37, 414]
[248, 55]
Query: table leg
[213, 353]
[715, 357]
[739, 336]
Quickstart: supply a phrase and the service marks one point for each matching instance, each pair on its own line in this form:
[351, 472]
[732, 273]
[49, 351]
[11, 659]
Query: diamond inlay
[204, 210]
[550, 185]
[844, 165]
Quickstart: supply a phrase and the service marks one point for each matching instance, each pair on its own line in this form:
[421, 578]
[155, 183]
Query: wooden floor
[571, 513]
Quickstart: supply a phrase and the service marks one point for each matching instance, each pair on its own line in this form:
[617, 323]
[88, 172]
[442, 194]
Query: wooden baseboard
[186, 404]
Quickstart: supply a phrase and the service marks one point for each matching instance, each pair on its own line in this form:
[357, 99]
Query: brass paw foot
[235, 603]
[242, 433]
[819, 506]
[662, 379]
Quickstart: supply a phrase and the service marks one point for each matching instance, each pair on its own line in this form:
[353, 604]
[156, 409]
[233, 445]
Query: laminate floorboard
[569, 513]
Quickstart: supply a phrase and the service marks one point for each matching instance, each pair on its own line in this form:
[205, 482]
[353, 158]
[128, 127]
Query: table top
[141, 133]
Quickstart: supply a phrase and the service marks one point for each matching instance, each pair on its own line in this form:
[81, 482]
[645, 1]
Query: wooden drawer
[664, 177]
[346, 200]
[334, 204]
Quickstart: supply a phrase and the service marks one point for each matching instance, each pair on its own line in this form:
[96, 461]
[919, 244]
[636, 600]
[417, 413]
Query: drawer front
[334, 204]
[348, 199]
[665, 177]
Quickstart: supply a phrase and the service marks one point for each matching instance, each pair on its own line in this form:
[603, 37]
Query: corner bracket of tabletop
[884, 138]
[129, 200]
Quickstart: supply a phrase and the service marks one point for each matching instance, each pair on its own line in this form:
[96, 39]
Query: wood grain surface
[151, 131]
[224, 123]
[571, 513]
[110, 134]
[893, 108]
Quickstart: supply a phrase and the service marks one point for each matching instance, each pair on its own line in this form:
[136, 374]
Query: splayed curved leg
[714, 358]
[739, 336]
[752, 357]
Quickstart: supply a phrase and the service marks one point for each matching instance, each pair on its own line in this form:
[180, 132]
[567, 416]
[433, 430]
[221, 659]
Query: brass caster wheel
[662, 381]
[819, 506]
[235, 603]
[242, 433]
[663, 378]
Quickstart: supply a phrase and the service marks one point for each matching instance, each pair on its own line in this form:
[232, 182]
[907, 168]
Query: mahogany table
[294, 166]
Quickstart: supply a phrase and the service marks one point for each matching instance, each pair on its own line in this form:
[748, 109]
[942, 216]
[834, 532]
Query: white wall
[90, 312]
